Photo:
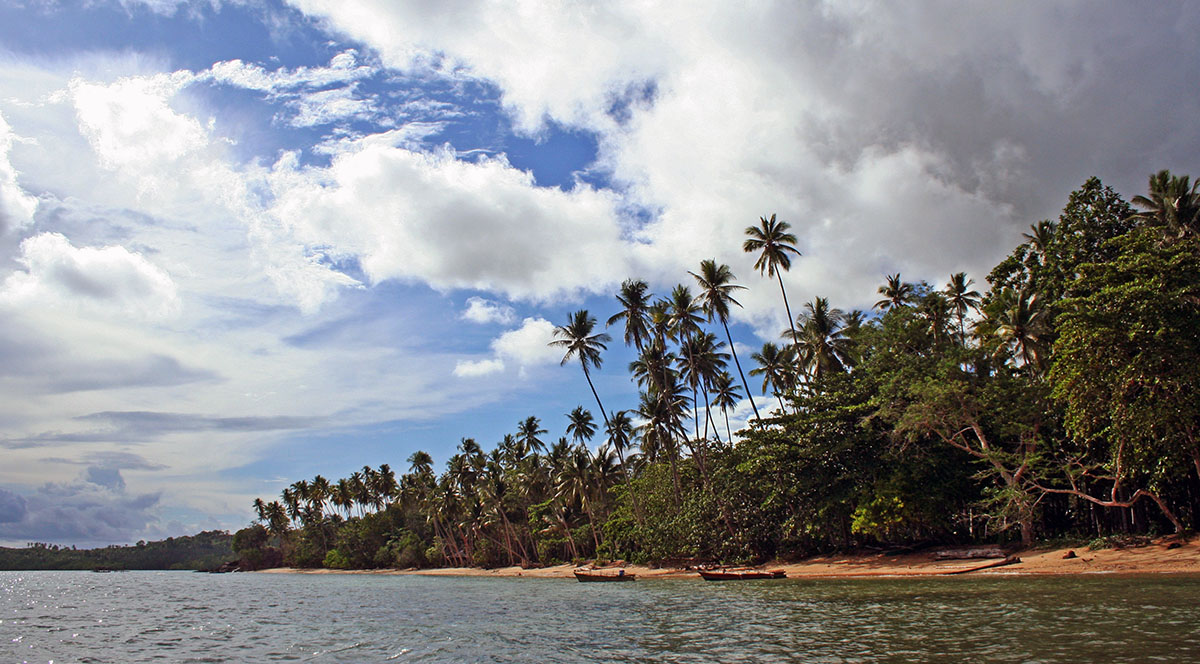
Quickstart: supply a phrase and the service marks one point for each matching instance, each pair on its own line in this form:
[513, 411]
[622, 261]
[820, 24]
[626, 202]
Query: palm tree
[635, 310]
[581, 426]
[775, 366]
[961, 299]
[725, 397]
[1172, 203]
[528, 431]
[773, 242]
[620, 436]
[824, 347]
[577, 338]
[685, 314]
[895, 293]
[420, 463]
[716, 285]
[1022, 327]
[1040, 237]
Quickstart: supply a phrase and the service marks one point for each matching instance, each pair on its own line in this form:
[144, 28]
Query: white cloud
[482, 311]
[102, 278]
[475, 368]
[16, 206]
[130, 124]
[430, 217]
[315, 95]
[529, 345]
[526, 346]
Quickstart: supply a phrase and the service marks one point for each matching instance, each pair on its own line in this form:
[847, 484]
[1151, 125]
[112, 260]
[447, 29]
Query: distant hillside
[206, 550]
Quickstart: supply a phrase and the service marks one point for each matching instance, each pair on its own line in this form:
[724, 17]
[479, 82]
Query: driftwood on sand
[1011, 560]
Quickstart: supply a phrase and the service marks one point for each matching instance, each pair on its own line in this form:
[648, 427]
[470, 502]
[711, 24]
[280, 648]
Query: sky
[245, 242]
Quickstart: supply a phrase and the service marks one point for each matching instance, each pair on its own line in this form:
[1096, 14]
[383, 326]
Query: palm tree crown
[577, 338]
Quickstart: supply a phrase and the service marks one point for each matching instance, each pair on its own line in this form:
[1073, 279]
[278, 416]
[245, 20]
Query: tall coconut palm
[773, 243]
[895, 293]
[1173, 202]
[961, 299]
[635, 310]
[577, 338]
[716, 294]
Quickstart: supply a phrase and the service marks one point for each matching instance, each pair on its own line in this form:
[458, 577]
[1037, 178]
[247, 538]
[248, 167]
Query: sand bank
[1154, 558]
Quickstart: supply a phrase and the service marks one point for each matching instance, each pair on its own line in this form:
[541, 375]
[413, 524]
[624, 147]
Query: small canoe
[601, 575]
[727, 574]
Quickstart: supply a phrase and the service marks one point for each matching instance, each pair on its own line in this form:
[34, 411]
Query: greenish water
[187, 617]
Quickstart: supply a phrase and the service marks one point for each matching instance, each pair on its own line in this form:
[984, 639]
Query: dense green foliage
[1064, 401]
[206, 550]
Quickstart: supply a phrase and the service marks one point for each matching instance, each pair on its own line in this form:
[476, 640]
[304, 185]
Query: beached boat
[590, 575]
[741, 574]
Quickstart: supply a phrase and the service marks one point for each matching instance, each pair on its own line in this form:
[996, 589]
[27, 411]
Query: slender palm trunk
[745, 385]
[588, 376]
[791, 321]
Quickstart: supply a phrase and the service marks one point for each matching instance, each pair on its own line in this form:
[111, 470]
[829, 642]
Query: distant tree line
[206, 550]
[1064, 400]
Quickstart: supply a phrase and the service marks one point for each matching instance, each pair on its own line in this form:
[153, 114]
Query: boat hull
[603, 577]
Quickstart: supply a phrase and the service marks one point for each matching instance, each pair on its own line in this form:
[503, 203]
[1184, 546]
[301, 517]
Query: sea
[127, 617]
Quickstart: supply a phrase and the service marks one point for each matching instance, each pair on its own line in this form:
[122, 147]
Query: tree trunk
[745, 385]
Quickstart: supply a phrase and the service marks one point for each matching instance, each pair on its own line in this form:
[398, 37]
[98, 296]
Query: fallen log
[965, 554]
[1011, 560]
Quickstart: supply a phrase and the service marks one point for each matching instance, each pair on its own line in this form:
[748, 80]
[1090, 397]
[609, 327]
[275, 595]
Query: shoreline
[1153, 558]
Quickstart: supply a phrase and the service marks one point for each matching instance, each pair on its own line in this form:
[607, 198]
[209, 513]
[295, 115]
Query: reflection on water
[187, 617]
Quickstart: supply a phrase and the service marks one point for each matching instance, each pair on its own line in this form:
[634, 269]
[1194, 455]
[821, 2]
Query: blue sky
[250, 241]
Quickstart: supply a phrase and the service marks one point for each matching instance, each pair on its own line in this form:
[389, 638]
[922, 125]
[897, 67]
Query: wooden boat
[741, 574]
[592, 575]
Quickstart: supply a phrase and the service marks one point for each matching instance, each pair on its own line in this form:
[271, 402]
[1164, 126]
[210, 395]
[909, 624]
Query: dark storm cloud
[93, 510]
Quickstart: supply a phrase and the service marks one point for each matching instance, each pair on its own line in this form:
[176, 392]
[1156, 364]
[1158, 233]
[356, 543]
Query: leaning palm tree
[773, 243]
[635, 310]
[895, 293]
[577, 338]
[961, 299]
[716, 286]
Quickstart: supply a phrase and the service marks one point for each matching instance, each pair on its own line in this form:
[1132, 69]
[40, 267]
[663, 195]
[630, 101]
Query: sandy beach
[1163, 556]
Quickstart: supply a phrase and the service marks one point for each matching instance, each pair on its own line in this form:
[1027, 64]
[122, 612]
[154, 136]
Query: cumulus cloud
[130, 124]
[433, 218]
[482, 311]
[916, 138]
[58, 273]
[474, 368]
[16, 205]
[527, 346]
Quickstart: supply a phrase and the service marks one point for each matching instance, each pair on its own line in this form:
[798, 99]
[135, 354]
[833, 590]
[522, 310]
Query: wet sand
[1154, 558]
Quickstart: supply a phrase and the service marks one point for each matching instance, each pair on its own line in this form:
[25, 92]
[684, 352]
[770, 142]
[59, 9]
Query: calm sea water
[188, 617]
